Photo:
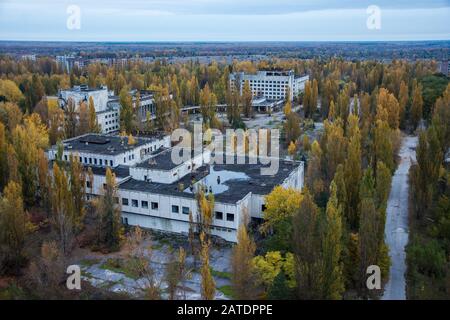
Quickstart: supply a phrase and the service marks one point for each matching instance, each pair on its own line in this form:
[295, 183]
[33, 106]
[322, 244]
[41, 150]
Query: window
[186, 210]
[65, 157]
[263, 207]
[90, 160]
[85, 160]
[88, 184]
[175, 209]
[230, 217]
[219, 215]
[124, 201]
[111, 163]
[144, 204]
[154, 205]
[100, 160]
[134, 203]
[95, 160]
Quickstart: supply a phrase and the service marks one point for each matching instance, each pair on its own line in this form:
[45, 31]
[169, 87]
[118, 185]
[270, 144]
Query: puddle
[215, 180]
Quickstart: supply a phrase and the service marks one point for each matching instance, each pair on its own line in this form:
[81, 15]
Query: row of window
[222, 229]
[113, 128]
[112, 121]
[112, 115]
[219, 216]
[175, 208]
[130, 157]
[135, 203]
[265, 81]
[94, 161]
[268, 86]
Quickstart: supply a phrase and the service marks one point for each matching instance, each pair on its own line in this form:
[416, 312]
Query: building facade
[156, 193]
[270, 84]
[107, 105]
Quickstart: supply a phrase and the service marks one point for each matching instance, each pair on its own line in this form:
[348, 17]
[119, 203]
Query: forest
[313, 244]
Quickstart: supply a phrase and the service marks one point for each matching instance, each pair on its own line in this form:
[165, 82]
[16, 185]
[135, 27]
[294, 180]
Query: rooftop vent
[94, 140]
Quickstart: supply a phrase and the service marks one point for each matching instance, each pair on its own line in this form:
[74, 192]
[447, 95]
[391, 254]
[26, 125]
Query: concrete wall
[163, 218]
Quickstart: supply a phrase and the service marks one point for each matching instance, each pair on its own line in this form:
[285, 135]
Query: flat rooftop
[236, 181]
[102, 144]
[120, 171]
[162, 160]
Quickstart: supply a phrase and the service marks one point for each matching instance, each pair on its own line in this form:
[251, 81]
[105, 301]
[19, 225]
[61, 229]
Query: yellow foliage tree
[281, 203]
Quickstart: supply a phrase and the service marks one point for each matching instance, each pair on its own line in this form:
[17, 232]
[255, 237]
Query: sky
[224, 20]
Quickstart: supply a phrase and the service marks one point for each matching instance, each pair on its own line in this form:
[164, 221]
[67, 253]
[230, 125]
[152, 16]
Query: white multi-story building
[109, 151]
[106, 104]
[270, 84]
[156, 193]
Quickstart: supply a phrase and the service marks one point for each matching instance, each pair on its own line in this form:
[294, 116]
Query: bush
[427, 258]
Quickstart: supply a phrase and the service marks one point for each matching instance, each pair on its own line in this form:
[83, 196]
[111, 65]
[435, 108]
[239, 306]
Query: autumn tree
[176, 272]
[382, 144]
[205, 204]
[45, 181]
[416, 104]
[83, 119]
[127, 121]
[93, 123]
[110, 230]
[343, 103]
[27, 139]
[388, 105]
[70, 115]
[208, 103]
[292, 127]
[63, 213]
[10, 115]
[372, 250]
[333, 280]
[243, 278]
[403, 98]
[425, 173]
[441, 119]
[14, 225]
[334, 146]
[281, 205]
[267, 268]
[138, 257]
[9, 91]
[306, 248]
[47, 273]
[314, 173]
[292, 148]
[287, 108]
[55, 123]
[77, 179]
[208, 285]
[352, 172]
[3, 157]
[247, 98]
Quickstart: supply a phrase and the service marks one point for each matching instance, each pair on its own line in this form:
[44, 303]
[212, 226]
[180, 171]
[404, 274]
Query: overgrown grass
[12, 292]
[120, 266]
[221, 274]
[89, 262]
[227, 291]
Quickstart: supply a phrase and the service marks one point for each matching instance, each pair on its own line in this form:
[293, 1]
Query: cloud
[228, 20]
[224, 7]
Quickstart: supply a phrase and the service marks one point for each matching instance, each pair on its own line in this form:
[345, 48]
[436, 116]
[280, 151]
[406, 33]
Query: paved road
[396, 230]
